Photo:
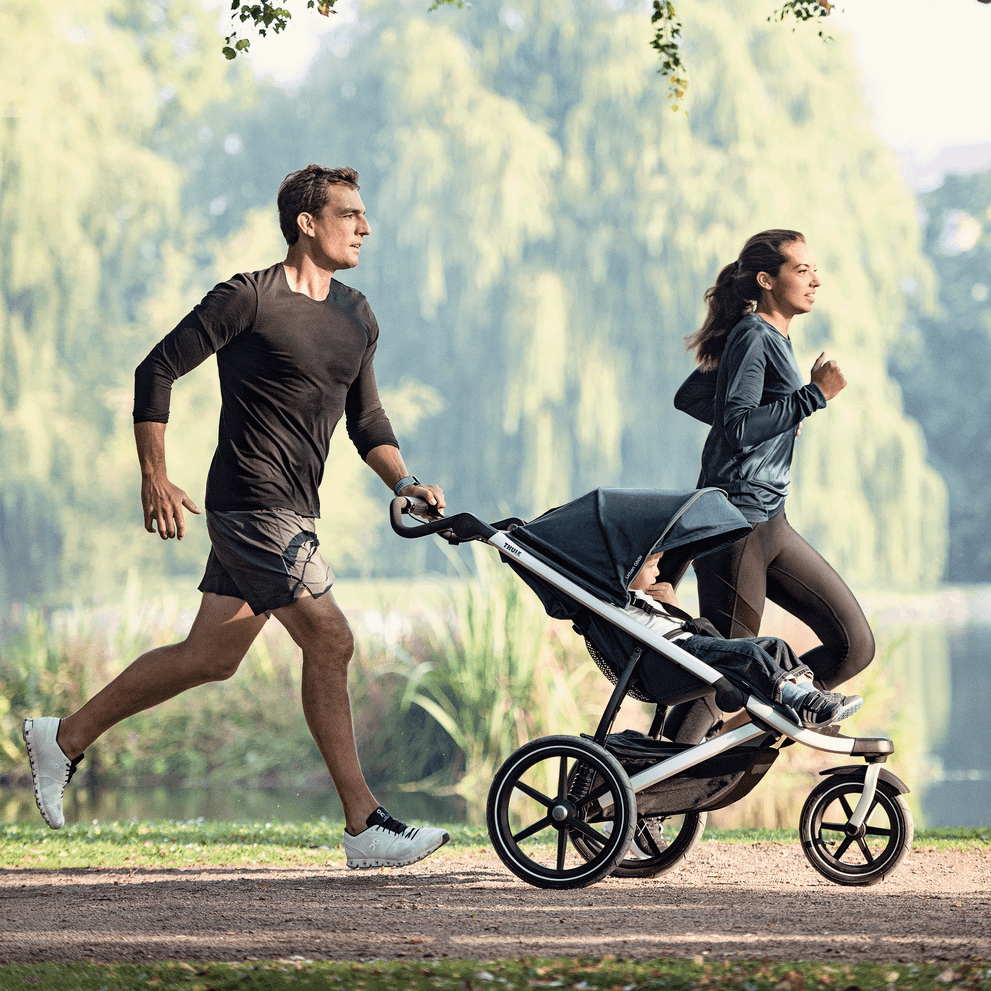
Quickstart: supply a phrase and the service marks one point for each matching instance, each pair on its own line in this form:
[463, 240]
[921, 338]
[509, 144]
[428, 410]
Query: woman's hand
[829, 378]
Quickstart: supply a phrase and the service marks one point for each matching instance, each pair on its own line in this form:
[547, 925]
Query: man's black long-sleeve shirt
[290, 367]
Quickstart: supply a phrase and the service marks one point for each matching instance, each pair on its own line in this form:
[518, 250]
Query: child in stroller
[766, 663]
[563, 810]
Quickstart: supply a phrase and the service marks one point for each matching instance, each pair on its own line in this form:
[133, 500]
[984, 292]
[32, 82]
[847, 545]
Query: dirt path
[761, 900]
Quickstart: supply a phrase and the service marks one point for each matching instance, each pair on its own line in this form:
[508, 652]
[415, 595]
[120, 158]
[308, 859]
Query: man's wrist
[403, 482]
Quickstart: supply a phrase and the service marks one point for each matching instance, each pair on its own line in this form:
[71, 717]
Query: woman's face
[793, 289]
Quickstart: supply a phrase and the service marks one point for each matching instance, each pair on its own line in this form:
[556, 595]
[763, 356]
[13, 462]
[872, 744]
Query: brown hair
[736, 292]
[307, 191]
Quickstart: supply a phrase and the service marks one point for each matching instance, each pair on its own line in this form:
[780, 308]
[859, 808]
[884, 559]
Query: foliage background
[545, 228]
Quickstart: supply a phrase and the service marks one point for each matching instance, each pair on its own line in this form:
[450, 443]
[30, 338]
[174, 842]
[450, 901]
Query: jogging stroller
[566, 811]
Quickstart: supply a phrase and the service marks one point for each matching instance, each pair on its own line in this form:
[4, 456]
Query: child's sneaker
[51, 770]
[819, 709]
[387, 842]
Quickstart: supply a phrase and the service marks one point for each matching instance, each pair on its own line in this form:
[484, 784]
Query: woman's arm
[746, 422]
[697, 396]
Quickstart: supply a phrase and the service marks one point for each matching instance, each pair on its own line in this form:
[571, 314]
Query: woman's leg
[803, 583]
[732, 583]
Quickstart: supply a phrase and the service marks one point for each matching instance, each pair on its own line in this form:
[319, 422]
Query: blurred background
[545, 223]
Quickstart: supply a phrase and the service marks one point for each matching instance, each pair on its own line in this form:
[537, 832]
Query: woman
[748, 387]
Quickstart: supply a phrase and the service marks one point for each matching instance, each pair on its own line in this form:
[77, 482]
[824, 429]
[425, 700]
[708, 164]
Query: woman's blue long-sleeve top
[754, 404]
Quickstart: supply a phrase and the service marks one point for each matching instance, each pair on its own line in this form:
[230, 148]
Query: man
[294, 351]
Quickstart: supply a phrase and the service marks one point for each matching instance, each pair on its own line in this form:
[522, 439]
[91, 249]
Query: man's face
[337, 232]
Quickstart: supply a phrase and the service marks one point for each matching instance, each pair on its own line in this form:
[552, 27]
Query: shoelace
[395, 826]
[73, 764]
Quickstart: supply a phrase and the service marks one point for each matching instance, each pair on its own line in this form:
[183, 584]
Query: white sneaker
[387, 842]
[51, 770]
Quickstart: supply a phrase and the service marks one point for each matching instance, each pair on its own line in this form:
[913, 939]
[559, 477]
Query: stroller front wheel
[546, 793]
[855, 857]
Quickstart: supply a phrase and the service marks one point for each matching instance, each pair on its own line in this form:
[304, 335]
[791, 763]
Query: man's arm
[386, 461]
[161, 501]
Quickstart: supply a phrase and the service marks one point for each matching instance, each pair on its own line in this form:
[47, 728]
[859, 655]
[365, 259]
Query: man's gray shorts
[267, 557]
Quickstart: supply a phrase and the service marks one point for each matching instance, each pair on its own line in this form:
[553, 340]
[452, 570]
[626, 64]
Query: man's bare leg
[321, 631]
[220, 636]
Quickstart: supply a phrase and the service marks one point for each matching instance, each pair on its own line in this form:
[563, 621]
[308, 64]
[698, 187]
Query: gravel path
[759, 900]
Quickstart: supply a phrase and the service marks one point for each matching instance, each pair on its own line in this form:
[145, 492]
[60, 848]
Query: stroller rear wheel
[550, 791]
[660, 843]
[855, 857]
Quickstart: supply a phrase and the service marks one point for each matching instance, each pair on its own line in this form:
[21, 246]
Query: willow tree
[942, 362]
[85, 202]
[545, 229]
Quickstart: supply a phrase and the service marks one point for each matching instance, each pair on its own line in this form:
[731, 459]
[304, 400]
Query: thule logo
[512, 550]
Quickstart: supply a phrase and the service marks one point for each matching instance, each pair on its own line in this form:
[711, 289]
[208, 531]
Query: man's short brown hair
[307, 191]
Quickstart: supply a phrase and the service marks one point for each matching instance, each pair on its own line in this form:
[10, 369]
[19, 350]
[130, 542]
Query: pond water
[960, 792]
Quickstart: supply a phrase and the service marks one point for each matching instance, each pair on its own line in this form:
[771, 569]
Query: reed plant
[243, 729]
[444, 687]
[493, 674]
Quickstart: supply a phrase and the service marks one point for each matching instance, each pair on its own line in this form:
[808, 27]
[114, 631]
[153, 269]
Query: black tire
[862, 859]
[662, 843]
[548, 791]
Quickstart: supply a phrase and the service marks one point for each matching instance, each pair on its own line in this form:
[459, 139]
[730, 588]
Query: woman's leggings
[774, 562]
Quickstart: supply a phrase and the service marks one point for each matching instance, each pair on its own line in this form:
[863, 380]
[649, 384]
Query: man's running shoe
[51, 770]
[819, 709]
[387, 842]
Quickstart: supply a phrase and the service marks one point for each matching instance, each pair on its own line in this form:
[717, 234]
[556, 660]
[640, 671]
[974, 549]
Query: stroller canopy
[601, 540]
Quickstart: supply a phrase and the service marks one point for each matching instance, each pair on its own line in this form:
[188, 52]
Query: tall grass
[443, 690]
[496, 674]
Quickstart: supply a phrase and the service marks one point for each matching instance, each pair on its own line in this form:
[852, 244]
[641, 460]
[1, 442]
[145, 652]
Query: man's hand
[433, 495]
[163, 504]
[829, 378]
[662, 592]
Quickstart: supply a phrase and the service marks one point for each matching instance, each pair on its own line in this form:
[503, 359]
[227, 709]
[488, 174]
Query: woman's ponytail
[736, 292]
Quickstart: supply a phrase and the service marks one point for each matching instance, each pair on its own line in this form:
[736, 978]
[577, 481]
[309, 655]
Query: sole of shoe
[27, 728]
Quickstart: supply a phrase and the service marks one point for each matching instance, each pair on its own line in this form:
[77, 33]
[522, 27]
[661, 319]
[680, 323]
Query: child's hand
[662, 592]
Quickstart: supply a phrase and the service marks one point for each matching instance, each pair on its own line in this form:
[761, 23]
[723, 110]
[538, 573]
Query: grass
[580, 974]
[177, 844]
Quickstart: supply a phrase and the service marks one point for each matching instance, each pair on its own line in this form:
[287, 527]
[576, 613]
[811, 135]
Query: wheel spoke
[562, 776]
[865, 850]
[582, 827]
[531, 830]
[562, 846]
[843, 847]
[593, 796]
[879, 831]
[533, 793]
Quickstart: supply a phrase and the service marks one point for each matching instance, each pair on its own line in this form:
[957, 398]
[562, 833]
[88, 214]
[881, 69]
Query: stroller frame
[595, 807]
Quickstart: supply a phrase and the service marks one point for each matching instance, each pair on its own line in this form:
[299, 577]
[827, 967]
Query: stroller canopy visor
[601, 540]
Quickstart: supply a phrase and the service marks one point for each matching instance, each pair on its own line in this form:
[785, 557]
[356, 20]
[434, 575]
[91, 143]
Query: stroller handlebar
[454, 529]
